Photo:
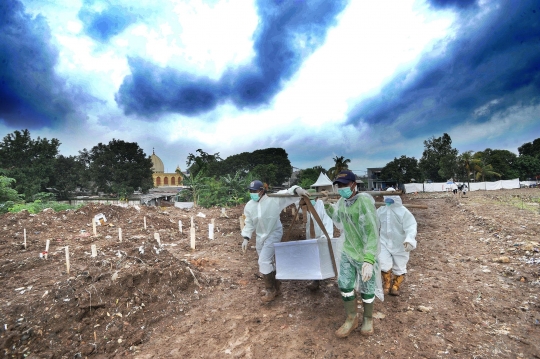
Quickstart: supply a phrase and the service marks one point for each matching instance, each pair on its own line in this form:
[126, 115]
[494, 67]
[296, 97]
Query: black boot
[272, 287]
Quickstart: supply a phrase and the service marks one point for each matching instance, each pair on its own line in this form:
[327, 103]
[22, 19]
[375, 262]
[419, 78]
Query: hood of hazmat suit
[397, 226]
[356, 218]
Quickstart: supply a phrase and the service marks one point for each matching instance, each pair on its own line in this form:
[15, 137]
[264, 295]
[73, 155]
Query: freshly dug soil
[471, 291]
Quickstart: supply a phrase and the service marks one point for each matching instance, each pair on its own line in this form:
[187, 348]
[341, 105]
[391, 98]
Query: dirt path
[457, 302]
[471, 291]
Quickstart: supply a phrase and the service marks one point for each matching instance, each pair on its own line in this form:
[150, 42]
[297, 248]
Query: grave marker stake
[25, 238]
[67, 259]
[47, 248]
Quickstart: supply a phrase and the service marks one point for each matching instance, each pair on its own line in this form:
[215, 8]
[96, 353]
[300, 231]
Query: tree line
[29, 167]
[441, 162]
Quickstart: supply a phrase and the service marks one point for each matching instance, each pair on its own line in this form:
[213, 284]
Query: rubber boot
[387, 281]
[272, 287]
[367, 322]
[351, 323]
[314, 285]
[398, 279]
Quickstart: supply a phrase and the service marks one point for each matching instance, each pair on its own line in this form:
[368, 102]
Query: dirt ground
[472, 290]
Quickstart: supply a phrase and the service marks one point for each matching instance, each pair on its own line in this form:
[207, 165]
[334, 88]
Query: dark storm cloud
[105, 24]
[287, 33]
[493, 63]
[31, 95]
[150, 89]
[462, 4]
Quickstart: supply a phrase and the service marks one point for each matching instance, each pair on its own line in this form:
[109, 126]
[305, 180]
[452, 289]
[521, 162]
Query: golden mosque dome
[157, 163]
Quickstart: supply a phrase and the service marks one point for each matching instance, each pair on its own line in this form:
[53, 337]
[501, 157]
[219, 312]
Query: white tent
[323, 183]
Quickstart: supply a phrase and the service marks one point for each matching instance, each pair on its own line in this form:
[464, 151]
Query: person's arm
[249, 226]
[367, 209]
[409, 227]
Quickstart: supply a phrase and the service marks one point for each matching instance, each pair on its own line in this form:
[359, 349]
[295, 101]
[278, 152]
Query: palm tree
[340, 164]
[483, 170]
[468, 161]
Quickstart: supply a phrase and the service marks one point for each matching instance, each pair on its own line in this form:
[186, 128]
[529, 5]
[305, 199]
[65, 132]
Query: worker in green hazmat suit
[356, 217]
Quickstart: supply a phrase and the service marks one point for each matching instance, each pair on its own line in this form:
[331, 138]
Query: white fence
[473, 186]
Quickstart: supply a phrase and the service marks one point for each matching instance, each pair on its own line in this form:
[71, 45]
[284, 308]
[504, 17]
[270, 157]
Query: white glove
[408, 246]
[324, 197]
[301, 192]
[244, 245]
[367, 271]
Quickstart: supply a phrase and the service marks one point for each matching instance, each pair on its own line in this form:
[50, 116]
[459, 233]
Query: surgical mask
[345, 192]
[312, 202]
[388, 201]
[254, 196]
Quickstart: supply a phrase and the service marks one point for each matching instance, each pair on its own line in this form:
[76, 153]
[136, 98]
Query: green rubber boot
[351, 323]
[367, 323]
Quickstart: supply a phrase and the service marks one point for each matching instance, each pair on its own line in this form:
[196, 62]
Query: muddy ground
[472, 290]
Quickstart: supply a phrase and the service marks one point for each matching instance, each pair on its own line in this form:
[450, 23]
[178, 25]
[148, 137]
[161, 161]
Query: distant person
[262, 217]
[465, 189]
[454, 188]
[398, 237]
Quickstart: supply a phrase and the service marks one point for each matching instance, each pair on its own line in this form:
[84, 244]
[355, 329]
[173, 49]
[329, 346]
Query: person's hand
[244, 245]
[408, 246]
[301, 192]
[367, 271]
[324, 197]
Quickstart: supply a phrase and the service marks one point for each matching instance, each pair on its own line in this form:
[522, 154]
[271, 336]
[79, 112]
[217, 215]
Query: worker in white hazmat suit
[356, 217]
[262, 217]
[398, 237]
[327, 222]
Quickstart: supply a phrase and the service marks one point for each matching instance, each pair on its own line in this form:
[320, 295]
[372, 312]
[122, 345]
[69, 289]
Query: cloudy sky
[367, 80]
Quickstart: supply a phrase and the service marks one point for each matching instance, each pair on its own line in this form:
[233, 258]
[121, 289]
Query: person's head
[346, 182]
[256, 190]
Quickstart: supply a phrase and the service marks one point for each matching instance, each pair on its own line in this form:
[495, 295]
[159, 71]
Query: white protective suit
[397, 227]
[325, 219]
[262, 217]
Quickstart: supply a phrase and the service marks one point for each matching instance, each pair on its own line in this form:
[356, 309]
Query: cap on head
[256, 185]
[345, 177]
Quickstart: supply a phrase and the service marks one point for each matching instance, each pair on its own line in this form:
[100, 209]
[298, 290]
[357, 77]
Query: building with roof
[162, 179]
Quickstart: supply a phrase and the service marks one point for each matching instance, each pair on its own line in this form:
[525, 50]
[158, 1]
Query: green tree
[30, 162]
[435, 150]
[401, 170]
[8, 196]
[68, 174]
[530, 149]
[120, 167]
[309, 176]
[266, 173]
[528, 167]
[466, 166]
[502, 161]
[340, 164]
[201, 161]
[246, 162]
[484, 169]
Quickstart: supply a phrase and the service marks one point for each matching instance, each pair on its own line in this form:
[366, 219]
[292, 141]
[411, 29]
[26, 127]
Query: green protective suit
[357, 220]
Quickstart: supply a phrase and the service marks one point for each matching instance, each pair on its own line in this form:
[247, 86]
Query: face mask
[254, 196]
[345, 192]
[388, 201]
[312, 202]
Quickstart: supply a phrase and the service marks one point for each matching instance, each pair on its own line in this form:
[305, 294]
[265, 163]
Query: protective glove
[367, 271]
[301, 192]
[244, 245]
[324, 197]
[408, 246]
